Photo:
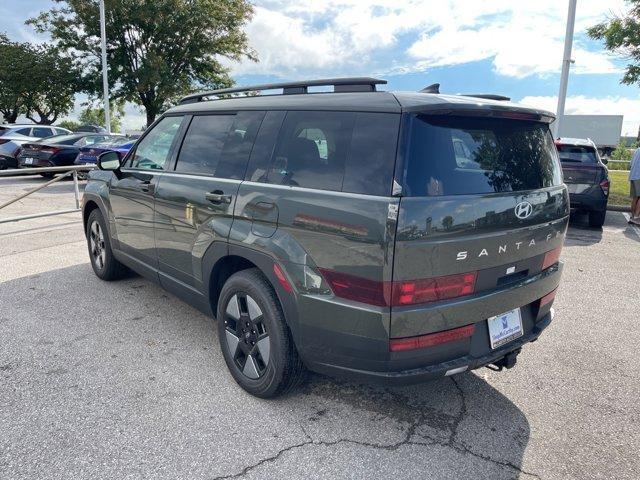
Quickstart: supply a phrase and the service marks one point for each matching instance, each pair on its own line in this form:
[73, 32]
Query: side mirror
[109, 161]
[605, 160]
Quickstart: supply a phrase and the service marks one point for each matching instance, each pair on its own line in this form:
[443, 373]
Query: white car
[12, 136]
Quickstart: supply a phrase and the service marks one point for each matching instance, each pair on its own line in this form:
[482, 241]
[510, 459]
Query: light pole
[105, 80]
[566, 64]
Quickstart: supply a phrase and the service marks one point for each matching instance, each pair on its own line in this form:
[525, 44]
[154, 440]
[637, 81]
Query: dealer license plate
[505, 328]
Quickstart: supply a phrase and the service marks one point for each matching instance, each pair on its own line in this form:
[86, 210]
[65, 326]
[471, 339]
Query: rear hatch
[580, 166]
[483, 203]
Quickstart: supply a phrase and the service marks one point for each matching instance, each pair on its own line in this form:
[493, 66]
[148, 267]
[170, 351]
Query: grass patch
[619, 190]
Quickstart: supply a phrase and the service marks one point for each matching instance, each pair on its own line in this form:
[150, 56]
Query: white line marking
[633, 227]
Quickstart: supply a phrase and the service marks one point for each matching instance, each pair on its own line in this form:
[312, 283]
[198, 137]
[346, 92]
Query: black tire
[283, 369]
[596, 219]
[104, 264]
[48, 176]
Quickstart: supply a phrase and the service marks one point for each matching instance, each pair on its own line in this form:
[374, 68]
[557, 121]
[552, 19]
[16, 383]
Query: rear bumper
[594, 200]
[338, 339]
[428, 372]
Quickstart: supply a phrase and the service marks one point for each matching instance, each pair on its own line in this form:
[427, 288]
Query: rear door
[483, 201]
[195, 198]
[131, 191]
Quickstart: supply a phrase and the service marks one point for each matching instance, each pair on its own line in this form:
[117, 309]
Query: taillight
[433, 289]
[357, 288]
[430, 340]
[605, 186]
[51, 151]
[548, 298]
[16, 152]
[399, 293]
[551, 257]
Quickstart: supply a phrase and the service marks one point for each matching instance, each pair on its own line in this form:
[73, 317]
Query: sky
[512, 48]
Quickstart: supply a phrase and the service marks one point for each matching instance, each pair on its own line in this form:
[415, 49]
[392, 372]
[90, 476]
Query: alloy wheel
[96, 242]
[246, 335]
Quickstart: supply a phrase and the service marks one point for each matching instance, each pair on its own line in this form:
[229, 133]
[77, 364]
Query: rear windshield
[577, 154]
[475, 155]
[62, 139]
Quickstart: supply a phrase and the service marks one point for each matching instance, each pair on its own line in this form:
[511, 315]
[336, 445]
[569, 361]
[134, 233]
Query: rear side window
[577, 154]
[475, 155]
[219, 145]
[24, 131]
[338, 151]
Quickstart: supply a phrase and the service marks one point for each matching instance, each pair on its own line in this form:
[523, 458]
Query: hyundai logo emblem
[523, 210]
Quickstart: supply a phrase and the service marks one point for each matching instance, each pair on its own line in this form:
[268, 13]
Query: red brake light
[605, 186]
[399, 293]
[422, 341]
[551, 257]
[357, 288]
[52, 151]
[548, 298]
[281, 278]
[433, 289]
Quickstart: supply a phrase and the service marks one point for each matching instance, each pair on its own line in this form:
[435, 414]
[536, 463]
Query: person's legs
[635, 202]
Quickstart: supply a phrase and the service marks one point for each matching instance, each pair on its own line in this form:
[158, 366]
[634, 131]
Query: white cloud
[521, 38]
[580, 104]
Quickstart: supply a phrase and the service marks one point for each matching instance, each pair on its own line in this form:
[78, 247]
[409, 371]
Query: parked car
[338, 231]
[89, 154]
[586, 176]
[59, 150]
[13, 136]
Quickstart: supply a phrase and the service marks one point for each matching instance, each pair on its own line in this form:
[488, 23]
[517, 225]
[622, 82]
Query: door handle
[147, 186]
[218, 197]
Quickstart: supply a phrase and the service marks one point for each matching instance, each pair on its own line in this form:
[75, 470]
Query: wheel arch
[223, 260]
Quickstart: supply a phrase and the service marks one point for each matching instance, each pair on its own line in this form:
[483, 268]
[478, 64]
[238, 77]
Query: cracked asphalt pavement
[122, 380]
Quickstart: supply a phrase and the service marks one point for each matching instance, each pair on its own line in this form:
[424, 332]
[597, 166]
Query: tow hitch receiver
[508, 361]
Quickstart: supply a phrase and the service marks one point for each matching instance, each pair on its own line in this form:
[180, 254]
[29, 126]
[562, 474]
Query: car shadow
[580, 233]
[114, 358]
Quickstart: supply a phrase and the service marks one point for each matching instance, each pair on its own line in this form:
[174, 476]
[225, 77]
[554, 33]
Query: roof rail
[354, 84]
[488, 96]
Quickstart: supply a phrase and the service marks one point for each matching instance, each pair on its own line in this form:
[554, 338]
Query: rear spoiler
[493, 111]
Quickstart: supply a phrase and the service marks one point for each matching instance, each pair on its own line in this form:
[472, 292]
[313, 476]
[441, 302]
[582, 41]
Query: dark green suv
[377, 236]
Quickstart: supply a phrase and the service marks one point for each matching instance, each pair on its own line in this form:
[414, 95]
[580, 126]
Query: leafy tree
[157, 50]
[95, 116]
[621, 35]
[14, 64]
[621, 152]
[37, 81]
[69, 125]
[53, 80]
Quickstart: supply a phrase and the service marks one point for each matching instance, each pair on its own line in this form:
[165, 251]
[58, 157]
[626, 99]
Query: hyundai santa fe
[370, 235]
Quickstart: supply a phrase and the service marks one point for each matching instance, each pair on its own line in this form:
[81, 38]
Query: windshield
[577, 153]
[475, 155]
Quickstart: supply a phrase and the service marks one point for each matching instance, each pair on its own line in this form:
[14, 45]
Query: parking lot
[122, 380]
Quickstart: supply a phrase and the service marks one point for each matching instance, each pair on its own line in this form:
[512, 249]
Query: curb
[618, 208]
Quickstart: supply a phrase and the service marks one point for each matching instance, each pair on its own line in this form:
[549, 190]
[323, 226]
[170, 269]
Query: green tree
[157, 50]
[53, 80]
[69, 124]
[14, 64]
[622, 153]
[95, 116]
[621, 35]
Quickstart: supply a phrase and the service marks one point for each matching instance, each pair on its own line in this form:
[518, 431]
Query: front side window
[203, 143]
[41, 132]
[475, 155]
[153, 150]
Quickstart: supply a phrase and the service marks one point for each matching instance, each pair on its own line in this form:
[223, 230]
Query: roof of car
[23, 125]
[581, 142]
[377, 101]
